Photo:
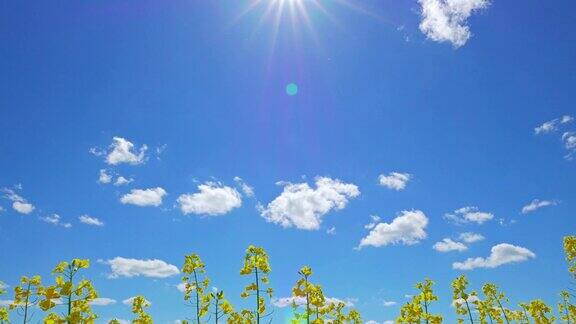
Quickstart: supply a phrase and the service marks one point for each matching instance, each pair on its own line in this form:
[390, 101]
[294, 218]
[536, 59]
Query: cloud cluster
[102, 301]
[469, 237]
[303, 207]
[568, 138]
[469, 215]
[389, 303]
[449, 245]
[447, 20]
[395, 180]
[120, 181]
[500, 254]
[537, 204]
[144, 197]
[408, 228]
[123, 151]
[56, 220]
[283, 302]
[552, 125]
[106, 178]
[246, 188]
[89, 220]
[123, 267]
[129, 301]
[211, 199]
[375, 219]
[19, 203]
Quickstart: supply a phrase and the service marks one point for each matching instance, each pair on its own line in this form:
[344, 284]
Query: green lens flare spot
[292, 89]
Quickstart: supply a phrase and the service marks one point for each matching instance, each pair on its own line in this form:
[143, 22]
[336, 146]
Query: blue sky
[182, 97]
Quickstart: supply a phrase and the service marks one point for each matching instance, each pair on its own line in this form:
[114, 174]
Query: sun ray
[297, 15]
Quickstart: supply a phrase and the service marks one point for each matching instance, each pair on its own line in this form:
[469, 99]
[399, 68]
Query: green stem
[257, 297]
[503, 311]
[71, 280]
[216, 310]
[197, 298]
[426, 310]
[566, 311]
[307, 301]
[26, 304]
[469, 313]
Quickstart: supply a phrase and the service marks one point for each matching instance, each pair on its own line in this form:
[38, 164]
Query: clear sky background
[199, 90]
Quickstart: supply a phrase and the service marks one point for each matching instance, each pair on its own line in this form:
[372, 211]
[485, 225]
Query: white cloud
[331, 230]
[23, 207]
[303, 207]
[122, 151]
[371, 322]
[372, 224]
[537, 204]
[102, 302]
[123, 267]
[19, 203]
[447, 245]
[128, 301]
[181, 287]
[469, 215]
[89, 220]
[499, 255]
[283, 302]
[52, 219]
[446, 20]
[121, 321]
[471, 299]
[246, 188]
[144, 197]
[56, 220]
[120, 181]
[569, 139]
[407, 229]
[104, 177]
[388, 303]
[552, 125]
[5, 302]
[212, 199]
[394, 180]
[470, 237]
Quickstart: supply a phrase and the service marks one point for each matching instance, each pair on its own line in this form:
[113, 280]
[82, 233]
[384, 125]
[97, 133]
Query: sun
[278, 12]
[297, 13]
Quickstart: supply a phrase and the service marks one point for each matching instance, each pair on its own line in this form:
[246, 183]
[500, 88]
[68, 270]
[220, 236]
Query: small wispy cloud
[552, 125]
[56, 220]
[19, 203]
[89, 220]
[537, 204]
[469, 214]
[447, 245]
[394, 180]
